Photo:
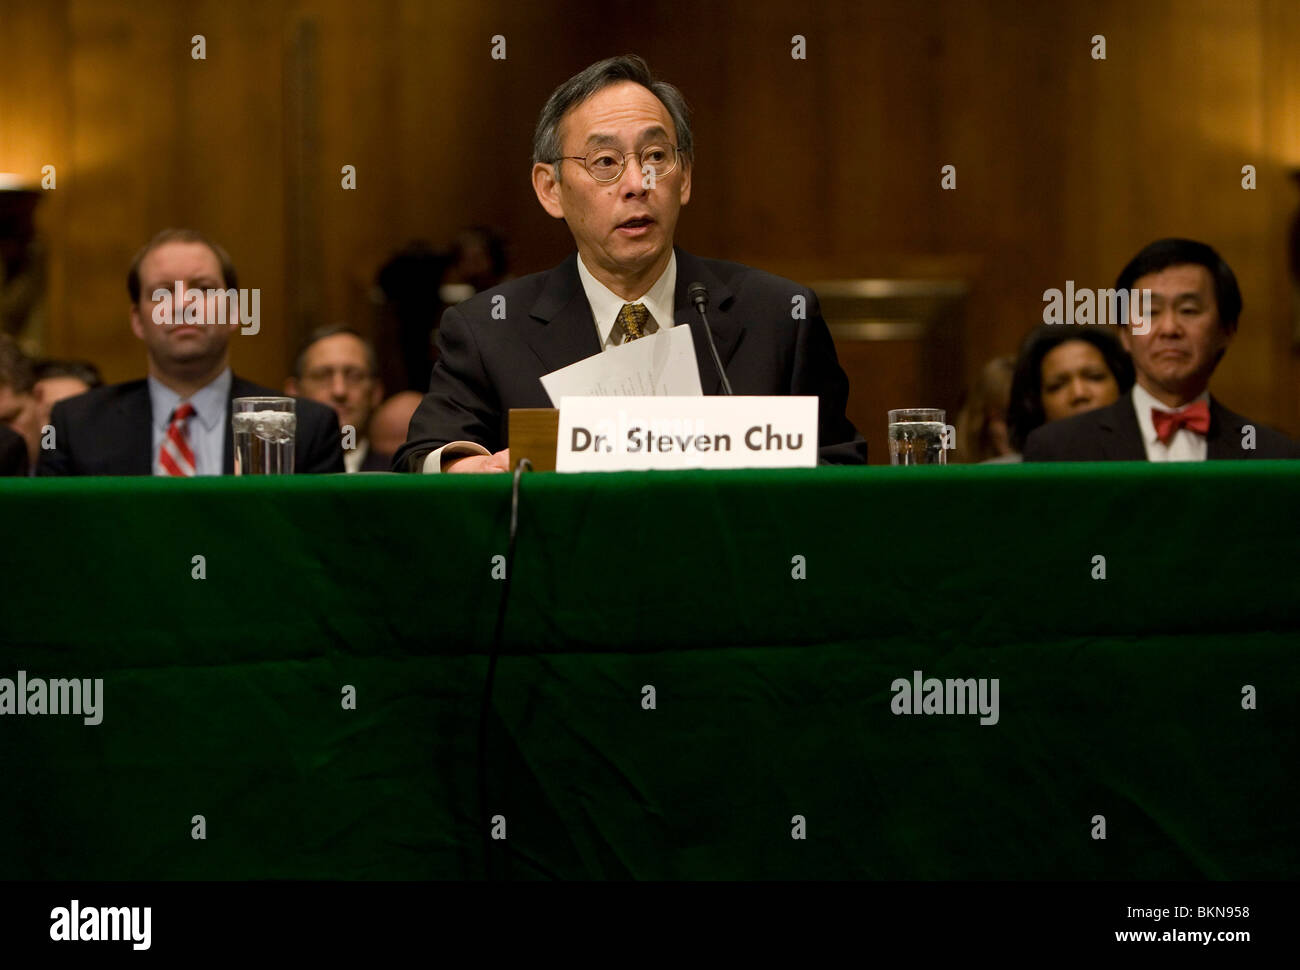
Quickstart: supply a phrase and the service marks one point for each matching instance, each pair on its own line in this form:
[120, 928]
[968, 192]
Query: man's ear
[1126, 339]
[377, 394]
[686, 183]
[1225, 336]
[291, 387]
[137, 325]
[547, 187]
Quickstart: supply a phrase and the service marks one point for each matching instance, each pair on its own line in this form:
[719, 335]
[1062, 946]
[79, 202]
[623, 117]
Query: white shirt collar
[606, 304]
[210, 401]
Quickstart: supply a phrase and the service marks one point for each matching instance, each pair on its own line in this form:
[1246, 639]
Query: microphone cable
[494, 652]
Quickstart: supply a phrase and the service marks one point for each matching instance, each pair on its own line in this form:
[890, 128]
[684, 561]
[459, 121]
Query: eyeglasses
[352, 376]
[607, 165]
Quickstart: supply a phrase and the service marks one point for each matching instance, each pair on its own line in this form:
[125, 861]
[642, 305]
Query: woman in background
[1065, 370]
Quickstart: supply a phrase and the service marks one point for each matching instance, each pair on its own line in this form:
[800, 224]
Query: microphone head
[698, 294]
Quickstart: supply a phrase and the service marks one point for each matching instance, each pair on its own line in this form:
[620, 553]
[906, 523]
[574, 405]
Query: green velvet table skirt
[771, 612]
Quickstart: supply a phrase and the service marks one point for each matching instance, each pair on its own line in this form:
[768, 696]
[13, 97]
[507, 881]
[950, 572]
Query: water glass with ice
[916, 437]
[264, 429]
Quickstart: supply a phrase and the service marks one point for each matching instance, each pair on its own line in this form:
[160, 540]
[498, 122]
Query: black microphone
[699, 295]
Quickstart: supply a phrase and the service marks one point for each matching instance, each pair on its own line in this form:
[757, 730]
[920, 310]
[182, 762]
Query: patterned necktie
[1194, 417]
[633, 318]
[175, 457]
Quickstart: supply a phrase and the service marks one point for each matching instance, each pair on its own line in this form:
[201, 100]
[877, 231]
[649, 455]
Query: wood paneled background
[817, 169]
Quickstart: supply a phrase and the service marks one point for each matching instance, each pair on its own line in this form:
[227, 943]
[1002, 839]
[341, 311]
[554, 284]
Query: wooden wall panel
[34, 127]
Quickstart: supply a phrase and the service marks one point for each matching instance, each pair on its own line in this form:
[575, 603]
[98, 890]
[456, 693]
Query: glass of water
[264, 430]
[916, 437]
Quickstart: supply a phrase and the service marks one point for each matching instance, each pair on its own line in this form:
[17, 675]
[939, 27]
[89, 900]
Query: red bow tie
[1194, 417]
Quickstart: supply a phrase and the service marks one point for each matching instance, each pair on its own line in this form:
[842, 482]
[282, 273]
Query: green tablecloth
[1119, 697]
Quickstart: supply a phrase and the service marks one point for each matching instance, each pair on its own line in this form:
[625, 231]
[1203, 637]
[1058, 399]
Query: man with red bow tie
[1169, 415]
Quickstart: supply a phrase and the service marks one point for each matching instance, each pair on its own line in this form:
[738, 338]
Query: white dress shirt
[605, 307]
[354, 459]
[606, 304]
[1185, 445]
[206, 429]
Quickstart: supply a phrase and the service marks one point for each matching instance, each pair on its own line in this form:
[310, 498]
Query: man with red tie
[176, 422]
[1170, 414]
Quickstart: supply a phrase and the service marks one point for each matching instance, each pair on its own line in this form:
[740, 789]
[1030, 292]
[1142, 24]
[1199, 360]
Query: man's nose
[1165, 323]
[1080, 391]
[339, 386]
[636, 174]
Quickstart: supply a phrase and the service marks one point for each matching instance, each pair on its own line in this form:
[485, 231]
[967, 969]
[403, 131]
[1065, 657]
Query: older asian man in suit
[612, 157]
[1170, 414]
[176, 422]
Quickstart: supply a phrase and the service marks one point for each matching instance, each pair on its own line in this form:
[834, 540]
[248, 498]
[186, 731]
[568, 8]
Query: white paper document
[660, 365]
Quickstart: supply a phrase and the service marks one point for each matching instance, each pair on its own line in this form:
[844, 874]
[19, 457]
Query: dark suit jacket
[109, 431]
[376, 463]
[1112, 433]
[13, 452]
[486, 367]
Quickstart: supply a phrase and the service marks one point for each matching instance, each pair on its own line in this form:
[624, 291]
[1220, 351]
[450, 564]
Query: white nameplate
[611, 434]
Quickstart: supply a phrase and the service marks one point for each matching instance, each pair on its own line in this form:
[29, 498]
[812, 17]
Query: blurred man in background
[176, 422]
[392, 420]
[57, 380]
[338, 367]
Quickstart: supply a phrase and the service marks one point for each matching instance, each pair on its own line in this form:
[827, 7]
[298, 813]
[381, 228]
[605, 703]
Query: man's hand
[498, 462]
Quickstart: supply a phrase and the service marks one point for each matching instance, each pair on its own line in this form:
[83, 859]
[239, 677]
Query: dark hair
[319, 334]
[1164, 253]
[547, 144]
[228, 277]
[493, 243]
[82, 370]
[1025, 412]
[15, 366]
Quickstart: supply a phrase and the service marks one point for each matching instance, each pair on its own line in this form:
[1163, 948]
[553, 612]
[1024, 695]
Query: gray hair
[547, 147]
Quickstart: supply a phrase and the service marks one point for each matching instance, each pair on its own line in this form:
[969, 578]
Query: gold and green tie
[632, 318]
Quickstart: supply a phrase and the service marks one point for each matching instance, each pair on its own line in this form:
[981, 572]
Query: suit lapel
[727, 328]
[136, 416]
[1223, 440]
[1121, 433]
[561, 328]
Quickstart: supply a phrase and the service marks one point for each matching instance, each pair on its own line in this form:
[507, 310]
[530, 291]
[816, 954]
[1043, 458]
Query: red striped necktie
[175, 456]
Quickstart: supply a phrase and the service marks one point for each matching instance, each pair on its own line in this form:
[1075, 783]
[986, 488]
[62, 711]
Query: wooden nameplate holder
[533, 435]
